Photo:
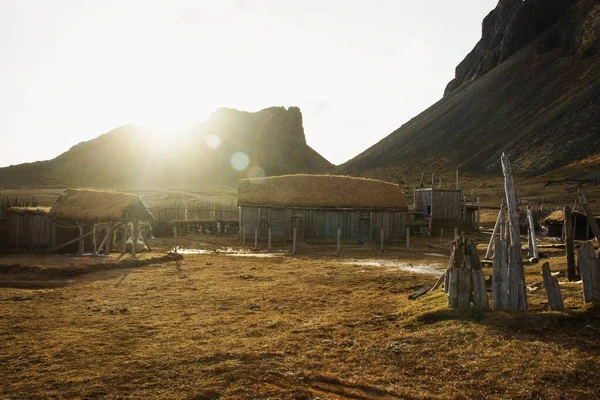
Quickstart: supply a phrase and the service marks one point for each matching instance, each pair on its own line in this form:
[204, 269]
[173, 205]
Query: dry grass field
[310, 326]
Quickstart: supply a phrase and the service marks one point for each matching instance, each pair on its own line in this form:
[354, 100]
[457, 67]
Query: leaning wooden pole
[533, 239]
[517, 298]
[569, 245]
[488, 253]
[589, 214]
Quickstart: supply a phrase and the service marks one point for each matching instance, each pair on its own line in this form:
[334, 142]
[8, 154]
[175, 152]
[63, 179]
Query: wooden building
[98, 215]
[28, 229]
[317, 205]
[445, 208]
[556, 220]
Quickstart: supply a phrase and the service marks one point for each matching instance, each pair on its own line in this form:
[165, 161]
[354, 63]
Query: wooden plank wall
[29, 231]
[447, 204]
[323, 224]
[422, 200]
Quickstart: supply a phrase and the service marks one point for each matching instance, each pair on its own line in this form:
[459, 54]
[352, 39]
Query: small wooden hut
[555, 223]
[444, 208]
[98, 214]
[317, 205]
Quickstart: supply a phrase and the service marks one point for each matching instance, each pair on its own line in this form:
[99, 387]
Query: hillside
[530, 87]
[133, 156]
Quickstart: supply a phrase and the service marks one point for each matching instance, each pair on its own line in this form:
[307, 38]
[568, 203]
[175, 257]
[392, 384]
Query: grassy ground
[310, 326]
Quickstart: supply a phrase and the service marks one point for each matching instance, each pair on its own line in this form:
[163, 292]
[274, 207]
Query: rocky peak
[569, 25]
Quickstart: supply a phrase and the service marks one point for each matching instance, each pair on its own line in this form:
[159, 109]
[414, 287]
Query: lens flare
[213, 141]
[240, 161]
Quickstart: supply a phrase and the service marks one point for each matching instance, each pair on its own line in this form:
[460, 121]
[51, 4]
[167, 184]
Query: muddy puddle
[229, 251]
[436, 270]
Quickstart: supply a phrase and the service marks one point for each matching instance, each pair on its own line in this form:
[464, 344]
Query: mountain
[232, 144]
[530, 87]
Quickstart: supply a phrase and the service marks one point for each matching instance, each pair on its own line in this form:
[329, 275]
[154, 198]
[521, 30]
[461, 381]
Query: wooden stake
[269, 238]
[81, 240]
[134, 238]
[533, 239]
[94, 240]
[552, 289]
[569, 246]
[175, 239]
[587, 266]
[517, 295]
[294, 243]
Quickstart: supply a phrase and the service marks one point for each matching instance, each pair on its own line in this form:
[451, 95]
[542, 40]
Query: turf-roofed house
[317, 205]
[80, 221]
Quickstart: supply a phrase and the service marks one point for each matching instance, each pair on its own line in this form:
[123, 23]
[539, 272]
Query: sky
[74, 69]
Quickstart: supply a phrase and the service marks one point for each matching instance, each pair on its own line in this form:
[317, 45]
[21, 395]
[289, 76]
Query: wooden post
[255, 238]
[339, 238]
[381, 246]
[294, 242]
[94, 237]
[109, 239]
[552, 289]
[480, 297]
[432, 183]
[134, 238]
[243, 235]
[502, 227]
[407, 238]
[455, 233]
[589, 273]
[269, 238]
[175, 239]
[517, 296]
[440, 182]
[590, 215]
[421, 181]
[81, 240]
[534, 250]
[569, 246]
[488, 253]
[478, 213]
[500, 275]
[441, 237]
[457, 183]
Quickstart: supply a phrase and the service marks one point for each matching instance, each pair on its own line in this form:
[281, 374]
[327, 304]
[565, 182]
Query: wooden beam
[488, 253]
[588, 212]
[71, 242]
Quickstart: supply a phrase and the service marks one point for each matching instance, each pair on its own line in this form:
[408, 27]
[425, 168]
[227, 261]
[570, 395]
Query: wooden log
[517, 299]
[569, 246]
[488, 253]
[533, 238]
[294, 242]
[589, 214]
[500, 276]
[552, 289]
[587, 265]
[420, 292]
[77, 239]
